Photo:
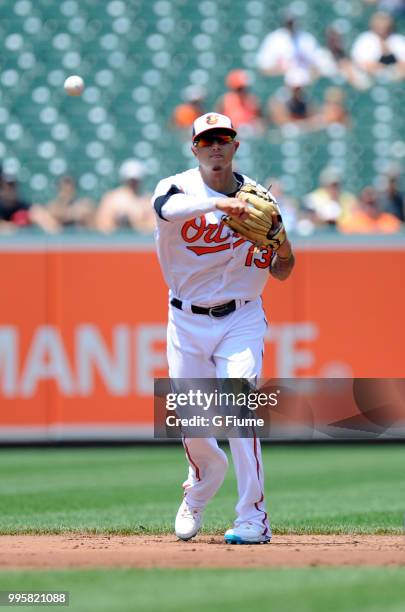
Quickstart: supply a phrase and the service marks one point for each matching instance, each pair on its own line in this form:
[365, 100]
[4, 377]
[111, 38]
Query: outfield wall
[82, 328]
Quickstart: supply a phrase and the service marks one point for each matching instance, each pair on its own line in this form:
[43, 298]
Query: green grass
[310, 489]
[300, 590]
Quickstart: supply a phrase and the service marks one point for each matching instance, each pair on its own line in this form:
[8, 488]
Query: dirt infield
[79, 551]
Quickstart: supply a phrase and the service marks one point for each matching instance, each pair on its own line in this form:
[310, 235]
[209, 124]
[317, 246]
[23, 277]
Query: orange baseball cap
[237, 79]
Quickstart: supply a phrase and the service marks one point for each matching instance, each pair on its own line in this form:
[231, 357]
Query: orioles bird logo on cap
[212, 119]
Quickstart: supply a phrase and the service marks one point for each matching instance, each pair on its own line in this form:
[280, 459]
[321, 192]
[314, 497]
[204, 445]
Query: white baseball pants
[199, 346]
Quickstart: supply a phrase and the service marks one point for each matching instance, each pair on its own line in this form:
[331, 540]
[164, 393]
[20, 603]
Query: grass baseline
[302, 590]
[137, 490]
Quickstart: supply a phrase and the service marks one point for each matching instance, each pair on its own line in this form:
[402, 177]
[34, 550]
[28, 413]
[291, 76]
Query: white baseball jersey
[202, 259]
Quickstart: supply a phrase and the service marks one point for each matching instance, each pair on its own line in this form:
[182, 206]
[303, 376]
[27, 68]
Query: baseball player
[216, 321]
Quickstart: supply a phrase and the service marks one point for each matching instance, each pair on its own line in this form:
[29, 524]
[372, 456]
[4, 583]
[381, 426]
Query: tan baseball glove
[264, 226]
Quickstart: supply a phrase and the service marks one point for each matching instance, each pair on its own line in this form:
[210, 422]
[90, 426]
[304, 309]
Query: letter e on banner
[148, 360]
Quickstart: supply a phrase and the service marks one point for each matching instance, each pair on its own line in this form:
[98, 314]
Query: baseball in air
[74, 85]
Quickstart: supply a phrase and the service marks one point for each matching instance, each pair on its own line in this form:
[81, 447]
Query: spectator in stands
[70, 211]
[290, 103]
[186, 113]
[368, 218]
[240, 104]
[380, 49]
[333, 61]
[334, 43]
[392, 199]
[13, 209]
[328, 203]
[15, 212]
[333, 109]
[125, 207]
[288, 48]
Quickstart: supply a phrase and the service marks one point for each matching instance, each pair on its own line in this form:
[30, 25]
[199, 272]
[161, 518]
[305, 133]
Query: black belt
[214, 311]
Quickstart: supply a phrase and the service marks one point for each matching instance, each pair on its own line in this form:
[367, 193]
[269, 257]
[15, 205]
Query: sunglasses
[208, 141]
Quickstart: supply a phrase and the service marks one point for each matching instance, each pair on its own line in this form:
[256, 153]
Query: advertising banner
[82, 331]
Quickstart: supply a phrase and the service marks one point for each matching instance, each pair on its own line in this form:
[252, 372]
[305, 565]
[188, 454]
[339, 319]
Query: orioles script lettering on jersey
[198, 228]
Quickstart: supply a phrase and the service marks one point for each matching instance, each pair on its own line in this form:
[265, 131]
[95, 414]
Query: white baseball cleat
[247, 533]
[188, 521]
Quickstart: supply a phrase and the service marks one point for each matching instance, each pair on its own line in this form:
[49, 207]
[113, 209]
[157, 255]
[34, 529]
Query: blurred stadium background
[136, 58]
[82, 319]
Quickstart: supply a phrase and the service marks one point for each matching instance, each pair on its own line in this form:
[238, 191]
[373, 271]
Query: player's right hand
[233, 207]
